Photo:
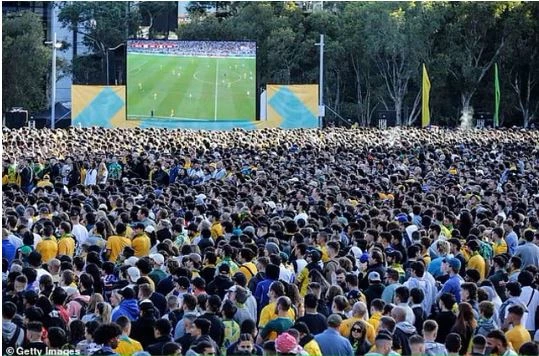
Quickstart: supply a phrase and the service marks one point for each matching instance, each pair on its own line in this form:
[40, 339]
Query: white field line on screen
[216, 88]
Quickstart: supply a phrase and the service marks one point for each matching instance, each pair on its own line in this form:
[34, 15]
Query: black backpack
[12, 342]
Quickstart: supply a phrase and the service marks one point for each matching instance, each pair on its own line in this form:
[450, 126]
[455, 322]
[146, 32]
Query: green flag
[496, 96]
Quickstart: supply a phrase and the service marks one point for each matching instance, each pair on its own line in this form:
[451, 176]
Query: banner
[292, 106]
[425, 111]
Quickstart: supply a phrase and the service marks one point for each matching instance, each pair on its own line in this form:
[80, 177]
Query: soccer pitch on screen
[191, 80]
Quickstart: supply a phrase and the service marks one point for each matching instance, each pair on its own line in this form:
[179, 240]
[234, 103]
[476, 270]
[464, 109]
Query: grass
[190, 88]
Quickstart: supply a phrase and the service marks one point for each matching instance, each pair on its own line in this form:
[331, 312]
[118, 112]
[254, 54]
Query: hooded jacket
[8, 332]
[433, 348]
[220, 285]
[128, 308]
[484, 326]
[403, 331]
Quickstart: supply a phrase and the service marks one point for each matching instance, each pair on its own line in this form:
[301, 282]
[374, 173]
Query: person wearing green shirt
[279, 324]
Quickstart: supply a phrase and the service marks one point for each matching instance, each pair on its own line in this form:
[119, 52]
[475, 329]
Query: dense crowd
[190, 48]
[271, 242]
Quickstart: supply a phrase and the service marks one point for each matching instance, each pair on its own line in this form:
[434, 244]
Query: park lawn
[190, 88]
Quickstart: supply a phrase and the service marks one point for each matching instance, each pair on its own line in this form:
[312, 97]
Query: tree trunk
[398, 111]
[466, 119]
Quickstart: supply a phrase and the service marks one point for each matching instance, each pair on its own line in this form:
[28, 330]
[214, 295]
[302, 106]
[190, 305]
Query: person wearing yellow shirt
[518, 335]
[126, 345]
[321, 240]
[141, 242]
[216, 227]
[359, 310]
[269, 312]
[116, 243]
[247, 267]
[500, 245]
[47, 247]
[306, 339]
[377, 307]
[477, 261]
[66, 242]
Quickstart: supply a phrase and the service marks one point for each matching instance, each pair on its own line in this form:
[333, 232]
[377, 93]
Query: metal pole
[108, 82]
[53, 94]
[321, 83]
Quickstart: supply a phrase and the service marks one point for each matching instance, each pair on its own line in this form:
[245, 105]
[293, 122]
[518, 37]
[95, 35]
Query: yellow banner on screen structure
[96, 105]
[292, 106]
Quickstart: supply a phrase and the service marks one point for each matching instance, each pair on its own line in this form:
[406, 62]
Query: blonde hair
[94, 300]
[104, 310]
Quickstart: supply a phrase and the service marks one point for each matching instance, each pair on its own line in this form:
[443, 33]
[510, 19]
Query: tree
[398, 39]
[469, 44]
[26, 62]
[521, 60]
[102, 24]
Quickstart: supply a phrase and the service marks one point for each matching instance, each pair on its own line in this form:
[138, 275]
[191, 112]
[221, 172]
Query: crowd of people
[271, 242]
[192, 48]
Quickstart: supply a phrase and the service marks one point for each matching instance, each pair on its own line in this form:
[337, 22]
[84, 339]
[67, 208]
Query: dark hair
[163, 326]
[203, 324]
[417, 295]
[448, 300]
[248, 326]
[57, 337]
[529, 348]
[471, 288]
[388, 322]
[403, 293]
[479, 340]
[499, 335]
[106, 332]
[311, 301]
[170, 348]
[513, 288]
[123, 321]
[453, 342]
[9, 310]
[516, 309]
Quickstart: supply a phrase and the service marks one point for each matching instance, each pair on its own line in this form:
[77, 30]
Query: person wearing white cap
[133, 274]
[157, 274]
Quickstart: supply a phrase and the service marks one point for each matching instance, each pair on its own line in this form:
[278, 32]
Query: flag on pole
[496, 96]
[425, 111]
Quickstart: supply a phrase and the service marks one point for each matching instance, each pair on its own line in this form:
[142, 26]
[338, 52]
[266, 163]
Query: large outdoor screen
[191, 80]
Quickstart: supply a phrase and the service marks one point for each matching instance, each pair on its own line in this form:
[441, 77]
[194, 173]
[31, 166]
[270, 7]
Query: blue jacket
[128, 308]
[332, 343]
[261, 292]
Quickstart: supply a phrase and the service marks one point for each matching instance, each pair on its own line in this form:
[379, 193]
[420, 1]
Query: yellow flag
[425, 111]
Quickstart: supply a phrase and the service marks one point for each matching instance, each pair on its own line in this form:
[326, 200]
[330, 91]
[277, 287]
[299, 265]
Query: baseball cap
[454, 263]
[374, 276]
[146, 305]
[134, 273]
[224, 268]
[131, 261]
[402, 217]
[127, 293]
[158, 258]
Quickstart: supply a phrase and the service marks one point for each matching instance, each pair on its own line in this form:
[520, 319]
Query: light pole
[321, 107]
[55, 45]
[108, 50]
